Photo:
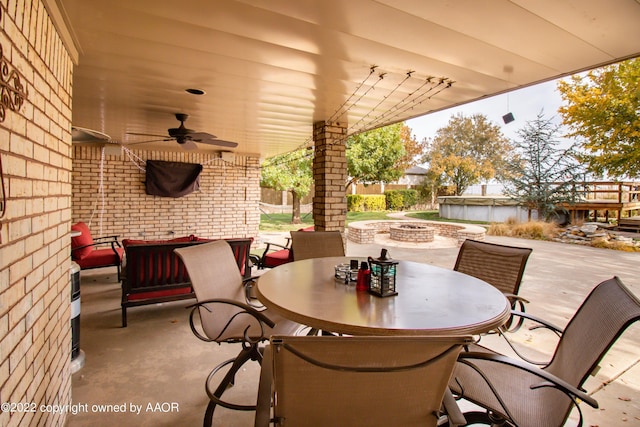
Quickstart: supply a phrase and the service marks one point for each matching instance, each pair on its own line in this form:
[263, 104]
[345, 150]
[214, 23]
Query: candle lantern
[383, 275]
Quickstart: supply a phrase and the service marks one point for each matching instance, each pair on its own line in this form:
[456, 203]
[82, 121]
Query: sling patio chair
[358, 381]
[499, 265]
[318, 244]
[224, 314]
[517, 393]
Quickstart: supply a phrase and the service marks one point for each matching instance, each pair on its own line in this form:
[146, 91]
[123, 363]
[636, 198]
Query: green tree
[466, 151]
[543, 177]
[289, 172]
[603, 109]
[381, 155]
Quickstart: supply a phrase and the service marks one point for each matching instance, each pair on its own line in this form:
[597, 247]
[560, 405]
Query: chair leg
[124, 316]
[247, 353]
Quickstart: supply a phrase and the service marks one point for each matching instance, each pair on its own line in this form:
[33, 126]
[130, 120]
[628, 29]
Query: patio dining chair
[318, 244]
[224, 314]
[501, 266]
[516, 393]
[358, 381]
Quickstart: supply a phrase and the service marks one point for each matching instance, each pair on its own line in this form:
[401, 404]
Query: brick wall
[35, 145]
[225, 206]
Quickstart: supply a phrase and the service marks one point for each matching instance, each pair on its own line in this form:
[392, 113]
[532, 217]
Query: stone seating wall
[364, 232]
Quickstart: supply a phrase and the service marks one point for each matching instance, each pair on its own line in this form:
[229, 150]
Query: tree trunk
[295, 210]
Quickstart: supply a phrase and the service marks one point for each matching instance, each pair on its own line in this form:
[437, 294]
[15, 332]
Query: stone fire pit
[411, 233]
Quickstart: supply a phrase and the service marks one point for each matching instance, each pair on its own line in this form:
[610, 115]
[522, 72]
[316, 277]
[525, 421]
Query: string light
[425, 92]
[422, 94]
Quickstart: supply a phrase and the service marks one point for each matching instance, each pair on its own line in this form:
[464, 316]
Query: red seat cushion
[274, 259]
[101, 258]
[83, 239]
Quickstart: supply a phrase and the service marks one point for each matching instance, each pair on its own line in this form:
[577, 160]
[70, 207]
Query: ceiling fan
[187, 137]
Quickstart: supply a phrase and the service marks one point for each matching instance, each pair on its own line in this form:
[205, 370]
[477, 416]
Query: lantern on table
[383, 275]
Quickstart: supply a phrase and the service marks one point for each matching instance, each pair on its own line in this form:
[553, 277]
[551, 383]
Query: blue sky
[525, 104]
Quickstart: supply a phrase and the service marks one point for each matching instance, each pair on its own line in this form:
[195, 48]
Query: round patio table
[431, 300]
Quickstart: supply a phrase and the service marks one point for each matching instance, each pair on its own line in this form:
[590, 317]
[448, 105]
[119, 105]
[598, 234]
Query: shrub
[537, 230]
[409, 198]
[394, 200]
[365, 202]
[374, 202]
[401, 199]
[499, 229]
[355, 203]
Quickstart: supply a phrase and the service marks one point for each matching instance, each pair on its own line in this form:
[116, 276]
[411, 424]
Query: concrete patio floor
[156, 364]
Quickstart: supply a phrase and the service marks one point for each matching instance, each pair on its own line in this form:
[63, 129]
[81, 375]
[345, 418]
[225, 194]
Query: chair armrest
[106, 238]
[549, 380]
[514, 298]
[277, 245]
[542, 323]
[112, 243]
[254, 259]
[510, 328]
[263, 406]
[258, 315]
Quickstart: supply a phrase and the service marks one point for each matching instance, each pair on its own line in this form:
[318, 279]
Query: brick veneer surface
[364, 232]
[35, 144]
[329, 176]
[226, 206]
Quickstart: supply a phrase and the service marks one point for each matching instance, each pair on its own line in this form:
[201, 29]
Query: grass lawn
[282, 222]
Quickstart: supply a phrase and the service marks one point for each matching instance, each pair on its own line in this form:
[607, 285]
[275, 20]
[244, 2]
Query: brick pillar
[330, 176]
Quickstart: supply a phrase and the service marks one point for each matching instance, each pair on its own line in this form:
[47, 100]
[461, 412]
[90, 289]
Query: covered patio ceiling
[270, 69]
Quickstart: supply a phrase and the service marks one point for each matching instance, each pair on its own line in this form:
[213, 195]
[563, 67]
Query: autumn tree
[289, 172]
[381, 155]
[466, 151]
[602, 108]
[544, 176]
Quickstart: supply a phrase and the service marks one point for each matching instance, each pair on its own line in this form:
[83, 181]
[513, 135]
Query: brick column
[330, 176]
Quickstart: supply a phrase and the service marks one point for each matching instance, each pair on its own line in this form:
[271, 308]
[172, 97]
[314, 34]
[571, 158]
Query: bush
[401, 199]
[394, 200]
[355, 203]
[536, 230]
[409, 198]
[375, 202]
[365, 202]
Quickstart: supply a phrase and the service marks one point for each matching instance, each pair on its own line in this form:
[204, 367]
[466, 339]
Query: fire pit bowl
[411, 233]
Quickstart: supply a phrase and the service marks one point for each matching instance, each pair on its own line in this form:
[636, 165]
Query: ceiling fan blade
[219, 142]
[150, 140]
[79, 134]
[200, 136]
[146, 134]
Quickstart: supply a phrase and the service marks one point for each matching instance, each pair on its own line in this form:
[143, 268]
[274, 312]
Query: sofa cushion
[83, 239]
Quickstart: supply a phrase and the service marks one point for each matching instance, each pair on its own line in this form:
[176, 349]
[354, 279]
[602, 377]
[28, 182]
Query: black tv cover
[172, 179]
